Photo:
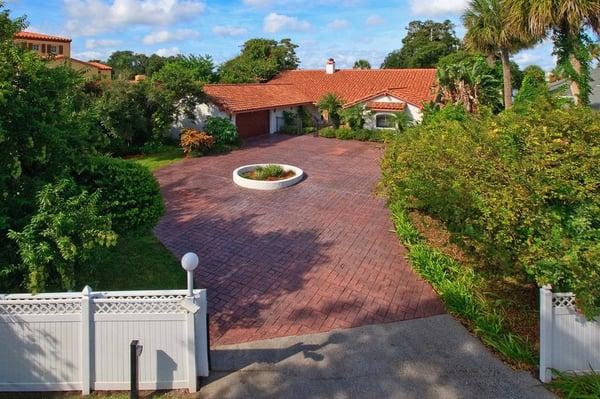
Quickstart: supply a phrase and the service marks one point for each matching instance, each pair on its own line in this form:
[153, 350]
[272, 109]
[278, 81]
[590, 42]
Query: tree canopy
[425, 43]
[259, 61]
[362, 64]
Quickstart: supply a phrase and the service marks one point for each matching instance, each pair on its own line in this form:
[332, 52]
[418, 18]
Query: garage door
[251, 124]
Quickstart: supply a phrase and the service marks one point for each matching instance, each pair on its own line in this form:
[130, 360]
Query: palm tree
[331, 103]
[595, 51]
[488, 32]
[565, 19]
[362, 64]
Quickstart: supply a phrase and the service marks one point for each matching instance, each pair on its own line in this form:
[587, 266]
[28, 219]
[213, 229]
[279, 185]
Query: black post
[208, 340]
[134, 353]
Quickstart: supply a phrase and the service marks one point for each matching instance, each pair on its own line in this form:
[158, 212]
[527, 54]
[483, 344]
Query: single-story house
[257, 109]
[563, 88]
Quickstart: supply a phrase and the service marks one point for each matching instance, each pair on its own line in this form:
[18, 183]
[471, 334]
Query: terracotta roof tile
[383, 106]
[414, 86]
[98, 65]
[41, 36]
[253, 97]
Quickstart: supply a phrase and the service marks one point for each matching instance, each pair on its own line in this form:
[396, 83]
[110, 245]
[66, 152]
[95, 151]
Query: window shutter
[30, 45]
[60, 49]
[43, 48]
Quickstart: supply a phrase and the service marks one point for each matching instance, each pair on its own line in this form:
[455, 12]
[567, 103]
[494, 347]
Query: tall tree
[259, 61]
[425, 43]
[565, 21]
[362, 64]
[127, 64]
[488, 31]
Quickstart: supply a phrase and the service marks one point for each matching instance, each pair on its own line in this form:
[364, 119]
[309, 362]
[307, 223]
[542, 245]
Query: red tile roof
[414, 86]
[41, 36]
[383, 106]
[256, 96]
[98, 65]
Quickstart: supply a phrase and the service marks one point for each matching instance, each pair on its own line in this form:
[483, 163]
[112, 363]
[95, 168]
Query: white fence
[80, 341]
[568, 341]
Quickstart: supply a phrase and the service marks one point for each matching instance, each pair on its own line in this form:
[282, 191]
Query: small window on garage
[385, 121]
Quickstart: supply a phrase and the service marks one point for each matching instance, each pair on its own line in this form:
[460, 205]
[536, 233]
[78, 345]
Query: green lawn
[138, 261]
[159, 160]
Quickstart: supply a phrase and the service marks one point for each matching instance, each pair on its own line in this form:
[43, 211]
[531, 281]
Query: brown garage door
[251, 124]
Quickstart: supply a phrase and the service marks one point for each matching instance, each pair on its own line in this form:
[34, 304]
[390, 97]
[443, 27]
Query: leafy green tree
[127, 64]
[259, 61]
[565, 21]
[362, 64]
[43, 134]
[331, 103]
[196, 68]
[57, 241]
[488, 31]
[425, 43]
[470, 82]
[534, 86]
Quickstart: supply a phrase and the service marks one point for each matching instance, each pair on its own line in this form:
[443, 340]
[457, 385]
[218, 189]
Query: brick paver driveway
[310, 258]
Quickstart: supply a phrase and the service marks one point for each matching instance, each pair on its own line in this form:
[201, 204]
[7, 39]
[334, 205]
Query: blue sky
[344, 29]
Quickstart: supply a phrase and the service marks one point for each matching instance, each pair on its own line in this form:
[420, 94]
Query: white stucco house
[257, 109]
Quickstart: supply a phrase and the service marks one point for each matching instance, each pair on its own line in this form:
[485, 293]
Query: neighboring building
[563, 88]
[58, 52]
[257, 109]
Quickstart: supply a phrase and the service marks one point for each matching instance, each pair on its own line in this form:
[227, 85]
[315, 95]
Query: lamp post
[189, 262]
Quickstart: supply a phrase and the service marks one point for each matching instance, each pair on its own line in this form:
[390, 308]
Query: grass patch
[169, 155]
[463, 291]
[577, 386]
[138, 262]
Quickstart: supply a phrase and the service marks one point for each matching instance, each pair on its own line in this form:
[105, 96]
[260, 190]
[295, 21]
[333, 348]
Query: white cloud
[90, 17]
[438, 7]
[274, 23]
[165, 36]
[338, 24]
[526, 58]
[374, 20]
[168, 52]
[91, 55]
[229, 30]
[97, 43]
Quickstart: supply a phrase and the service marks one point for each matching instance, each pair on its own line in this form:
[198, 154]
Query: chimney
[330, 66]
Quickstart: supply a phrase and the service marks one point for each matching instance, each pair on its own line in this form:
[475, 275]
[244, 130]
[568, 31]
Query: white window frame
[384, 114]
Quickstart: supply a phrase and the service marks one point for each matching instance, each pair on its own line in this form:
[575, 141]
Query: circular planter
[266, 184]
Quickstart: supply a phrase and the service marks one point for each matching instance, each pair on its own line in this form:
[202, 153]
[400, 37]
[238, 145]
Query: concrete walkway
[433, 357]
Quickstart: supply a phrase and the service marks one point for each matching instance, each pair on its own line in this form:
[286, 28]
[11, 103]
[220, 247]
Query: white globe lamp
[189, 262]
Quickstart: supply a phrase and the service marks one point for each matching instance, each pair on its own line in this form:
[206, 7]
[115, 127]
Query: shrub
[265, 172]
[224, 132]
[332, 104]
[354, 117]
[129, 192]
[345, 133]
[192, 140]
[520, 189]
[328, 132]
[68, 224]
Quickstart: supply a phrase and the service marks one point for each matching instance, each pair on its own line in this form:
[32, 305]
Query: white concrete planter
[266, 184]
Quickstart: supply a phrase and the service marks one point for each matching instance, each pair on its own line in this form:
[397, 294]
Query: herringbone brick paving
[310, 258]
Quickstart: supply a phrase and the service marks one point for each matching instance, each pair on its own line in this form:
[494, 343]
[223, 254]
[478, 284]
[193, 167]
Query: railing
[568, 341]
[80, 341]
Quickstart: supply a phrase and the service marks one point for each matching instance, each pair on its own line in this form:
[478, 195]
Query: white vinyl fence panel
[568, 341]
[80, 341]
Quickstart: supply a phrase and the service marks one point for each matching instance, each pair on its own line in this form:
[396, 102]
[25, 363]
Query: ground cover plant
[269, 172]
[346, 133]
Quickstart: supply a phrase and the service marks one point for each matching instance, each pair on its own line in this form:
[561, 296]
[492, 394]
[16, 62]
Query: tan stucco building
[58, 52]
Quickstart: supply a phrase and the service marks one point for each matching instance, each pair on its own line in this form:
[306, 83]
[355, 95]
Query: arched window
[385, 121]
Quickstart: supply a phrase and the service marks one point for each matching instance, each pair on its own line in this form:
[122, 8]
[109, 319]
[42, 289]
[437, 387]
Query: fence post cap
[87, 291]
[547, 287]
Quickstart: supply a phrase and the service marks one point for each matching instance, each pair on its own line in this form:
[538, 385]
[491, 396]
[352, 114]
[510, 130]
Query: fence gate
[80, 341]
